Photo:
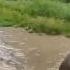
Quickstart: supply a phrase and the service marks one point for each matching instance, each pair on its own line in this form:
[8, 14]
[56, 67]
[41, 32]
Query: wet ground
[42, 52]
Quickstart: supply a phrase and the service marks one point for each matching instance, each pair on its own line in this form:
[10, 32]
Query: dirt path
[43, 52]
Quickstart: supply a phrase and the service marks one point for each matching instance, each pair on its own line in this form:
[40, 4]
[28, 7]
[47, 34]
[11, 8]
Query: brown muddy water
[41, 52]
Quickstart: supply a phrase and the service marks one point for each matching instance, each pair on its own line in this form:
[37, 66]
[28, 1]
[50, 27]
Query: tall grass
[46, 16]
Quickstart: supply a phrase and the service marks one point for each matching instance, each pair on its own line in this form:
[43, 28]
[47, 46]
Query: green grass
[41, 16]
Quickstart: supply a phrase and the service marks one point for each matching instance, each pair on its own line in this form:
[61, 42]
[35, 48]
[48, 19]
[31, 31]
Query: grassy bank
[44, 16]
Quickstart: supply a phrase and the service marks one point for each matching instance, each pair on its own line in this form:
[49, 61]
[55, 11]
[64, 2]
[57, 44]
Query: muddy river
[41, 52]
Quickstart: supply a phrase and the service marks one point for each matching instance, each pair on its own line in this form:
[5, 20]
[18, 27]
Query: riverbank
[45, 16]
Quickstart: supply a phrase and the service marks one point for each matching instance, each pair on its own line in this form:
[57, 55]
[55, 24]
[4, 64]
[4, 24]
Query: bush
[67, 1]
[46, 16]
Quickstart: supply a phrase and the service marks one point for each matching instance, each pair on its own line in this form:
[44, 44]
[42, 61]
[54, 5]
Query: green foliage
[66, 1]
[46, 16]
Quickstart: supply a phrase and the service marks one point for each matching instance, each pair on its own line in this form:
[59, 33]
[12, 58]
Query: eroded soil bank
[42, 52]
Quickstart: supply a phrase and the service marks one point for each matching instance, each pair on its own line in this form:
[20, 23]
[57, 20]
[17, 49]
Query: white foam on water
[12, 58]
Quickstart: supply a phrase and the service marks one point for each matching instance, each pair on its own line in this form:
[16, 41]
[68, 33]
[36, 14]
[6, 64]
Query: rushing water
[10, 59]
[20, 50]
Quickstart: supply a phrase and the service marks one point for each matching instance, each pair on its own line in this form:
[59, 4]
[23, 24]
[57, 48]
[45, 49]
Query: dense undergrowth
[42, 16]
